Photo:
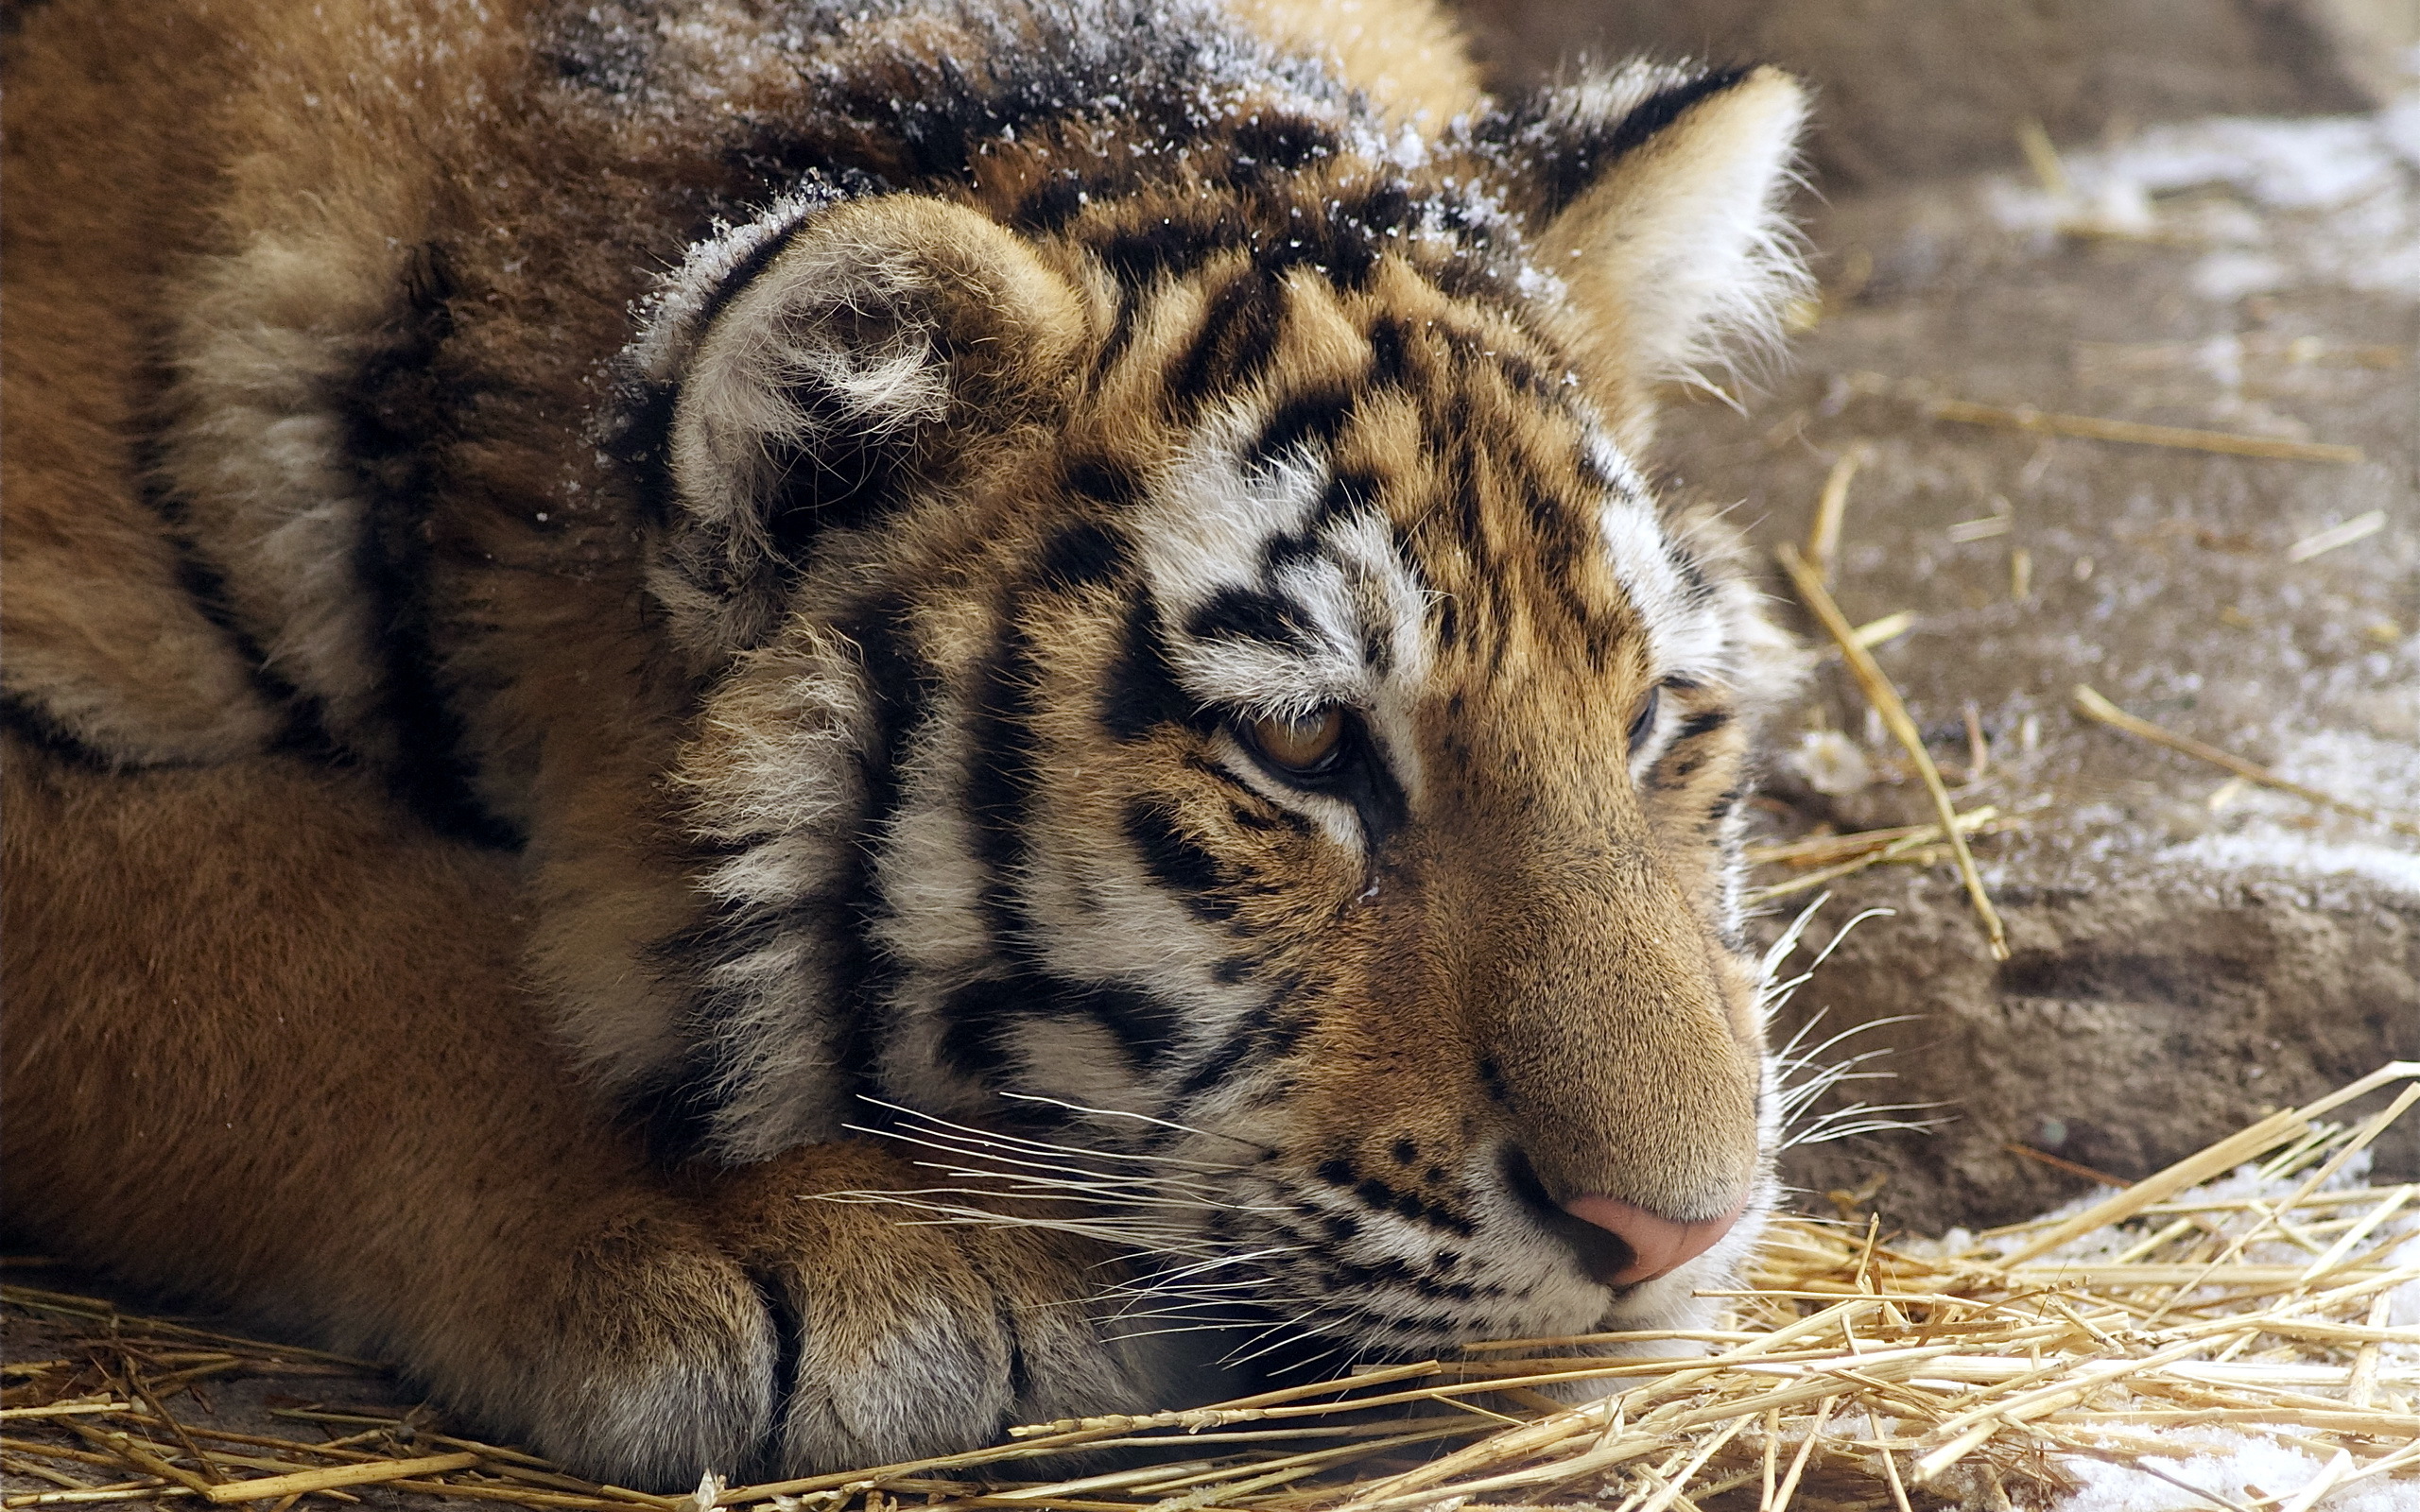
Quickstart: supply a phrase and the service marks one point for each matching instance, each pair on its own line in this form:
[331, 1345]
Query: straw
[1885, 699]
[2093, 706]
[1853, 1370]
[2095, 428]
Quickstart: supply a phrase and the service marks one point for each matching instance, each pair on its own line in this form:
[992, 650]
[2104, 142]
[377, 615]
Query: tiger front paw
[906, 1339]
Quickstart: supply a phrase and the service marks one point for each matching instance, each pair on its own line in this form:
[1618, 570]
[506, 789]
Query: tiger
[772, 733]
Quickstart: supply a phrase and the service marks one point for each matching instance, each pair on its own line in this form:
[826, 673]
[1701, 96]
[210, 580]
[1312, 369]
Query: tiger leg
[266, 1050]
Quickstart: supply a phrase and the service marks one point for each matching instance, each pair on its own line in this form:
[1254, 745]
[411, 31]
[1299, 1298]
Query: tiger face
[1202, 693]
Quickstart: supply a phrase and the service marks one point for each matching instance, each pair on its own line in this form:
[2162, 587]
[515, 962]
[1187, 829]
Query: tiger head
[1202, 692]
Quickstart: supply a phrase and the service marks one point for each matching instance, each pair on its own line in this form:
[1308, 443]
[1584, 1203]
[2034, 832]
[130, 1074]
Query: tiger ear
[1664, 218]
[827, 372]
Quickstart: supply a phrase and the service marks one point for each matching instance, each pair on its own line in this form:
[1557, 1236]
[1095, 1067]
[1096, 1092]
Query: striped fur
[835, 489]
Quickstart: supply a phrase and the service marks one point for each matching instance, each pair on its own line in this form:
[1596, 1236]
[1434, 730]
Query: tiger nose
[1657, 1246]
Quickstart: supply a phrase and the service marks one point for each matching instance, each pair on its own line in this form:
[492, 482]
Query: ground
[2188, 950]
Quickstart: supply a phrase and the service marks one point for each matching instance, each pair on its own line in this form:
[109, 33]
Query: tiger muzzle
[1598, 1005]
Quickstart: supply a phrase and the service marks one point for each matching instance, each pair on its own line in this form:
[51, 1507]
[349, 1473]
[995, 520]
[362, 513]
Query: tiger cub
[646, 640]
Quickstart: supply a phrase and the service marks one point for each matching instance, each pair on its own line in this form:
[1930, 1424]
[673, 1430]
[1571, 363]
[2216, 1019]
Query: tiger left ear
[1673, 246]
[855, 356]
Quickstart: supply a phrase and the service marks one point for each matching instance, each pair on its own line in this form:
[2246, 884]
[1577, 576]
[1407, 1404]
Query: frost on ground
[2278, 833]
[2328, 201]
[2234, 1466]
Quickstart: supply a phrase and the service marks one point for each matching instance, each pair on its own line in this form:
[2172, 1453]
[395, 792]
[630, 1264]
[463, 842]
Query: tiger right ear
[1662, 194]
[840, 364]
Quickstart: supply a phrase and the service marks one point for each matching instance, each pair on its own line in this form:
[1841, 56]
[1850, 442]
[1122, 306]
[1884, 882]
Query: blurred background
[1916, 89]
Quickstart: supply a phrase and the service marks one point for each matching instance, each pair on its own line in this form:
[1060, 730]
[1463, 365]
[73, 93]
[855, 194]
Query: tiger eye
[1300, 743]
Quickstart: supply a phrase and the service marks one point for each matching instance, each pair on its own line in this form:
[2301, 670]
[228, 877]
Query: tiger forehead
[1388, 434]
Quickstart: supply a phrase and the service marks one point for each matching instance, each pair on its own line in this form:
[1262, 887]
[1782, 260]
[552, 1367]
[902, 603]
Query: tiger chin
[647, 641]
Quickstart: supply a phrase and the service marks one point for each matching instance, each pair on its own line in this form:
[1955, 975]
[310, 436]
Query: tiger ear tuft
[1664, 218]
[866, 352]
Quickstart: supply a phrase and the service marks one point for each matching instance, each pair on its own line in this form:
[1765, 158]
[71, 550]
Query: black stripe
[1448, 614]
[673, 1111]
[1082, 555]
[980, 1020]
[1705, 723]
[1271, 1031]
[1285, 142]
[789, 1351]
[680, 1110]
[760, 257]
[1052, 205]
[1139, 256]
[975, 1021]
[1104, 482]
[20, 716]
[1394, 1271]
[399, 411]
[1390, 352]
[1147, 1029]
[1179, 863]
[1141, 693]
[1317, 416]
[1003, 770]
[305, 731]
[900, 687]
[1661, 109]
[1251, 615]
[1346, 492]
[1565, 156]
[1235, 342]
[1701, 588]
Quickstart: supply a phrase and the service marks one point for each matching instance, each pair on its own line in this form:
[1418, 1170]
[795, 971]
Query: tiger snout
[1618, 1042]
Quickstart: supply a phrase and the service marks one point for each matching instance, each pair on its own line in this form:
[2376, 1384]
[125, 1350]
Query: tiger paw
[904, 1339]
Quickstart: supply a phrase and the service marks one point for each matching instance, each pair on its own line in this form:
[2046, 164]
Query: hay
[1936, 405]
[1885, 699]
[2239, 1298]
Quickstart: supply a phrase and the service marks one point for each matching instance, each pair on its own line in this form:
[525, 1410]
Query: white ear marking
[1679, 255]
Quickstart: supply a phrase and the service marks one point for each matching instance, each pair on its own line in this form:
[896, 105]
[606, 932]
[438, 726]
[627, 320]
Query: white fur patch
[272, 333]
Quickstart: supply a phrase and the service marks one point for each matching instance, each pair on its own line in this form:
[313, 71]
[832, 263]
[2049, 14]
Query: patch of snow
[2277, 831]
[2342, 198]
[2283, 851]
[2236, 1466]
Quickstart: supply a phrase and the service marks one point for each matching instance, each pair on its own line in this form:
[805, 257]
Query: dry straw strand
[2092, 705]
[2095, 428]
[1880, 693]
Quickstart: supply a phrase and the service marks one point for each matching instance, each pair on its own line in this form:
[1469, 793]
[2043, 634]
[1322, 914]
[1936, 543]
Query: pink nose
[1658, 1246]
